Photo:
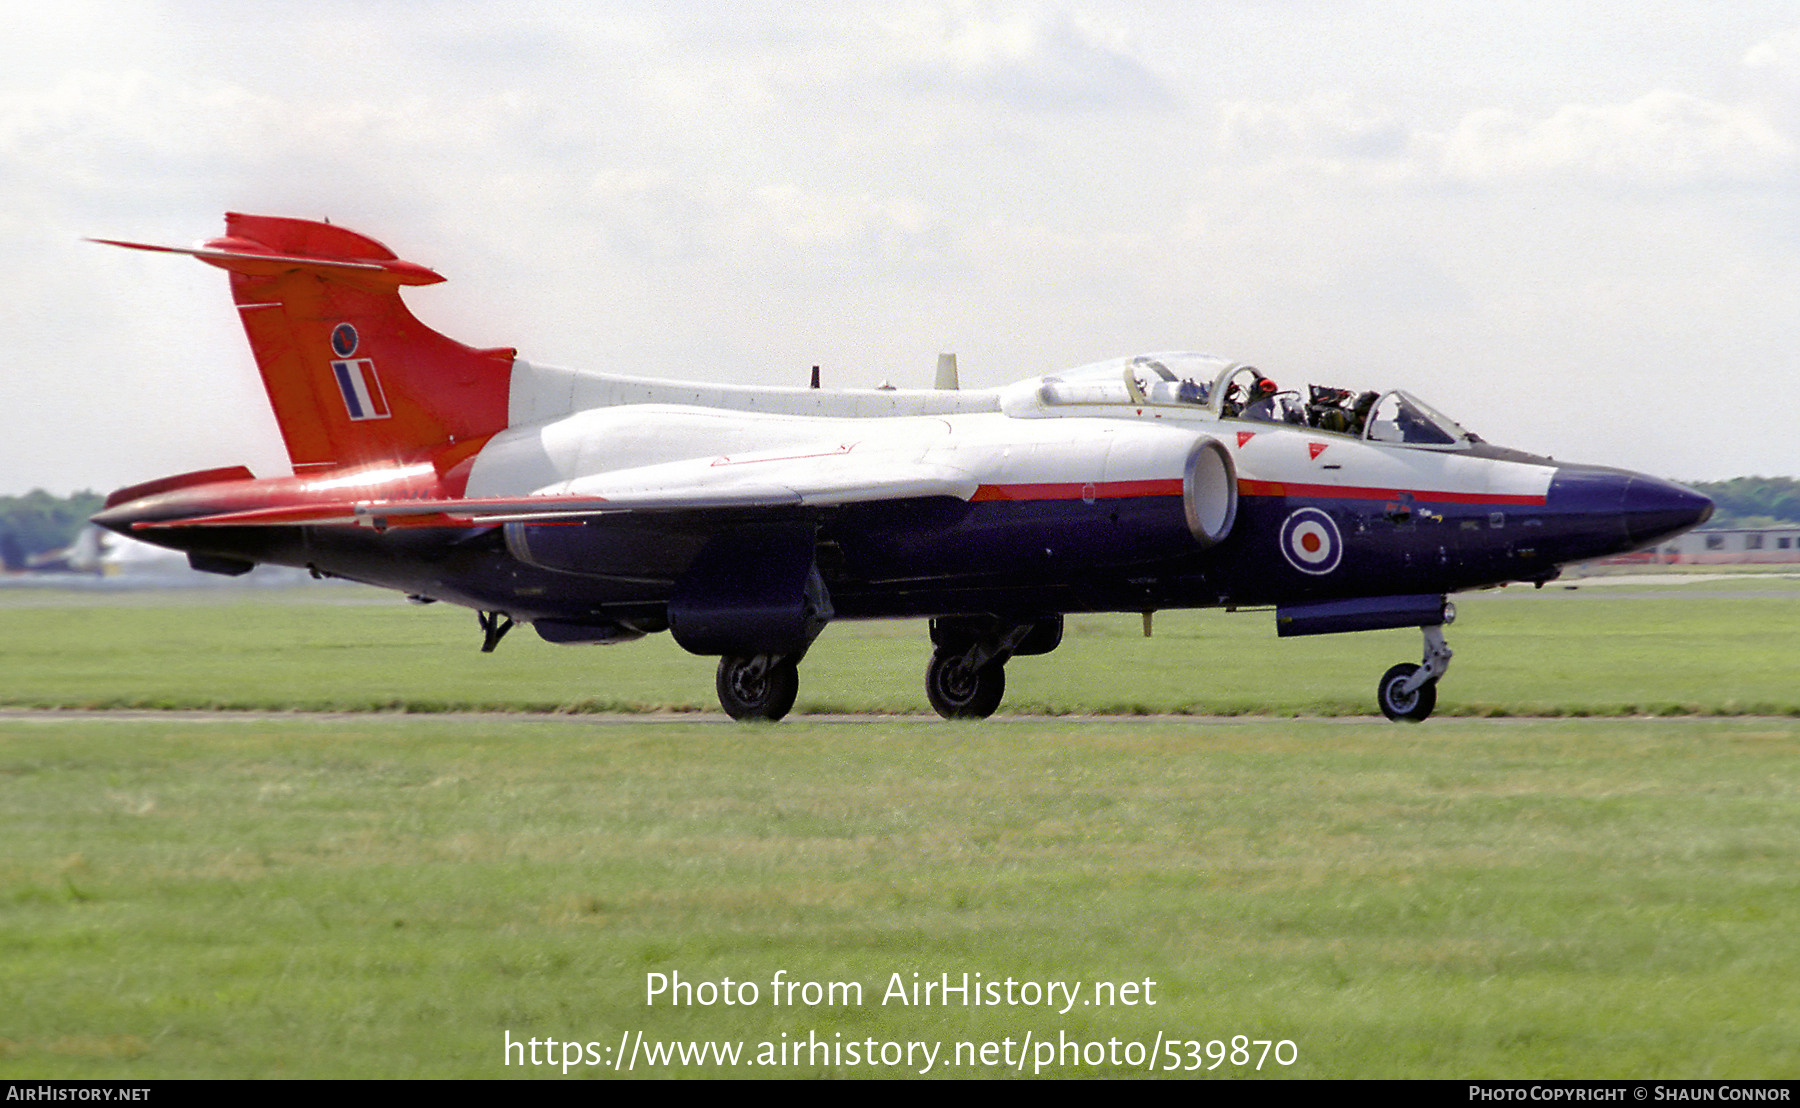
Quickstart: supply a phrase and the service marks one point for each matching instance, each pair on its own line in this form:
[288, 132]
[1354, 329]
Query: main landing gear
[1408, 692]
[966, 678]
[759, 687]
[961, 686]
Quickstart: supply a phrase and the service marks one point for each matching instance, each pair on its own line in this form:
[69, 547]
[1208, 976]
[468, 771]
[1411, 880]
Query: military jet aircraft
[599, 508]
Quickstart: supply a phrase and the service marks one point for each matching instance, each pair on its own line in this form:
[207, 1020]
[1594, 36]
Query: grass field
[1703, 647]
[377, 895]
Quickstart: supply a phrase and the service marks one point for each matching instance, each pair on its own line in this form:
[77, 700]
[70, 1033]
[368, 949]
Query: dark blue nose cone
[1655, 509]
[1609, 511]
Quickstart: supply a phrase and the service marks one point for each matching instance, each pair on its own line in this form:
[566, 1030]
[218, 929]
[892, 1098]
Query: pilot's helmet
[1263, 389]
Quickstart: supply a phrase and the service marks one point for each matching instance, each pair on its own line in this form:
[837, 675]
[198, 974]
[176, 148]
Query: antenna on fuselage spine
[946, 372]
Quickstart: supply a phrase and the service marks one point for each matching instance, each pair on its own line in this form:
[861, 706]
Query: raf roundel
[1310, 541]
[343, 340]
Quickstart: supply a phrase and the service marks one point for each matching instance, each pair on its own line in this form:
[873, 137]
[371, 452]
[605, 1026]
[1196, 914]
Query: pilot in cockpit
[1359, 412]
[1263, 404]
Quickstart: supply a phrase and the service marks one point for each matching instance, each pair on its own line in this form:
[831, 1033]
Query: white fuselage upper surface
[638, 435]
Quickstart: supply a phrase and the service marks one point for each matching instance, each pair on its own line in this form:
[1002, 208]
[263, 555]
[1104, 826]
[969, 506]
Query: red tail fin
[352, 375]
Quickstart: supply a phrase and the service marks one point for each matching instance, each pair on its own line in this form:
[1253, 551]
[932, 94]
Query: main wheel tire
[958, 692]
[750, 688]
[1413, 706]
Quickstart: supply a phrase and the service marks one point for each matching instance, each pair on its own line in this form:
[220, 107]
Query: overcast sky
[1574, 227]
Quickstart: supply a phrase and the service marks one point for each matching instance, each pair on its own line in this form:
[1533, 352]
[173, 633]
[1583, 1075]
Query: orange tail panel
[352, 375]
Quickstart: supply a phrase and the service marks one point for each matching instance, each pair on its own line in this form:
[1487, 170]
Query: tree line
[1752, 501]
[38, 522]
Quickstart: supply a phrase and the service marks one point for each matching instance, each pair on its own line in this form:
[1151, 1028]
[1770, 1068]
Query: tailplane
[352, 375]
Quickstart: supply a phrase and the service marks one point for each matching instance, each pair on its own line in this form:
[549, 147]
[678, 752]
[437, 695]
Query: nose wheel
[1399, 704]
[1408, 692]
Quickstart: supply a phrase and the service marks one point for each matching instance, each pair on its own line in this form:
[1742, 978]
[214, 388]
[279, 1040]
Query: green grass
[371, 897]
[377, 895]
[1704, 647]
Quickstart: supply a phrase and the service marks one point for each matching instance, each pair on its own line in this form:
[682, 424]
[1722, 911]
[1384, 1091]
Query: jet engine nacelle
[1209, 491]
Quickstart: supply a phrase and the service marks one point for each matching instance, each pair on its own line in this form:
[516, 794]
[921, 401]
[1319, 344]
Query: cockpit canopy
[1209, 386]
[1402, 417]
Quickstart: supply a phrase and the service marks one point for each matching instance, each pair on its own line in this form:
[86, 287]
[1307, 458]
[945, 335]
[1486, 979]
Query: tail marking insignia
[357, 380]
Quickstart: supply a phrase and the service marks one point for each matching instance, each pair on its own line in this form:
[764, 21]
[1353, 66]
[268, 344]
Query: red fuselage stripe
[1090, 490]
[1350, 492]
[1112, 490]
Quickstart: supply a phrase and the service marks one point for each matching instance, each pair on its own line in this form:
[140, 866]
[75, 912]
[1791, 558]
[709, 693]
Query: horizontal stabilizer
[254, 262]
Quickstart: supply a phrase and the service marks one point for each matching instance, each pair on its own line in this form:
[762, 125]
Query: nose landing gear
[1408, 692]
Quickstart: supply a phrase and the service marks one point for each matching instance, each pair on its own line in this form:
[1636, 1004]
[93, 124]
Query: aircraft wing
[809, 477]
[833, 477]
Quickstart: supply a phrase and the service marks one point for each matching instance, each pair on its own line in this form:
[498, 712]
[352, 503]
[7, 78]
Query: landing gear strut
[758, 687]
[494, 626]
[1409, 692]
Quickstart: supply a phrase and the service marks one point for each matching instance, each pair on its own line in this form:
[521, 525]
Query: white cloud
[127, 138]
[1771, 71]
[1026, 57]
[1777, 52]
[1325, 126]
[812, 218]
[1662, 139]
